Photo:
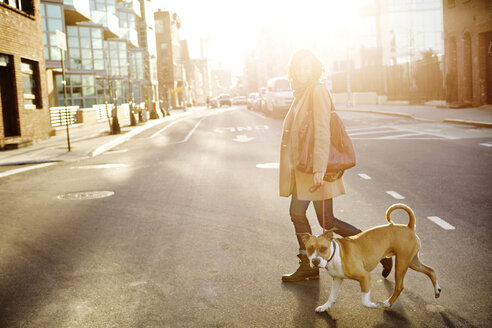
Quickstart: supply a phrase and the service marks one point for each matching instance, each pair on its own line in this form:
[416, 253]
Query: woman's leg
[298, 216]
[344, 229]
[298, 210]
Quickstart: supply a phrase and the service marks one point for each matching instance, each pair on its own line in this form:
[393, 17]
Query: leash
[323, 201]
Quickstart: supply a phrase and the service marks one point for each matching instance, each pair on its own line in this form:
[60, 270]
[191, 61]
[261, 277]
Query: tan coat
[288, 174]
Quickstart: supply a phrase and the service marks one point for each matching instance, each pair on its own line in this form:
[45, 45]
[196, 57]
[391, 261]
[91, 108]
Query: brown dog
[356, 256]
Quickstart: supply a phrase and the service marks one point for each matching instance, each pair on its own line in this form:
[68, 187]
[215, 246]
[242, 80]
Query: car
[214, 103]
[240, 100]
[278, 97]
[260, 100]
[225, 99]
[251, 99]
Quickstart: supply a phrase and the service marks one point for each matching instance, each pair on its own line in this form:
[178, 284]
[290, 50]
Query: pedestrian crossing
[396, 133]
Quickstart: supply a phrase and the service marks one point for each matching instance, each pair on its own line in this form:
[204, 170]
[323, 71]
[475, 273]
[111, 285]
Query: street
[182, 226]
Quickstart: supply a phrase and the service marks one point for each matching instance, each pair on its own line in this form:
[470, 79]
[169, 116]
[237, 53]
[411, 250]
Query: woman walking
[305, 70]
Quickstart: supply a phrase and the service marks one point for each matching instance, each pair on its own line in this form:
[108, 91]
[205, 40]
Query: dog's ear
[329, 233]
[304, 236]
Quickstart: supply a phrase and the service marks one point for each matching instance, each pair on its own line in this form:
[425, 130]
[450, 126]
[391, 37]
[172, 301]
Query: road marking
[24, 169]
[395, 194]
[371, 132]
[242, 128]
[364, 176]
[440, 222]
[191, 132]
[369, 128]
[243, 138]
[486, 144]
[268, 166]
[163, 129]
[98, 166]
[402, 135]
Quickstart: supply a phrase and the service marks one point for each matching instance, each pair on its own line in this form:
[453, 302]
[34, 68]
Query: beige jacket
[289, 176]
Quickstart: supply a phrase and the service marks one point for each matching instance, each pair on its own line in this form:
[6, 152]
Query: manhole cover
[85, 195]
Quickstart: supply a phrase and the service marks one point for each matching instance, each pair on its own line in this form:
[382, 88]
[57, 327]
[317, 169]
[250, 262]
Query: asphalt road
[190, 232]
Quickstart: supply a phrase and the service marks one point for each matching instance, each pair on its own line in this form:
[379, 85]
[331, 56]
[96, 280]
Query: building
[468, 50]
[171, 70]
[24, 99]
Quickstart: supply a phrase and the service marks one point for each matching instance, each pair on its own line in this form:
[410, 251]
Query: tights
[298, 210]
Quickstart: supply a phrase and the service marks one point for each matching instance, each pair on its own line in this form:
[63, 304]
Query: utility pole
[62, 44]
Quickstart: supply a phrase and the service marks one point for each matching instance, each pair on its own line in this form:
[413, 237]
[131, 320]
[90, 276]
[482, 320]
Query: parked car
[251, 100]
[214, 103]
[278, 97]
[260, 100]
[240, 100]
[225, 99]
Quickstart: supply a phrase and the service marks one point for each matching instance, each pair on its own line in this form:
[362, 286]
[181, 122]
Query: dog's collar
[334, 250]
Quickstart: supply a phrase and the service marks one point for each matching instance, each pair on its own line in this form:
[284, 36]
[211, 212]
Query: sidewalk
[479, 117]
[85, 141]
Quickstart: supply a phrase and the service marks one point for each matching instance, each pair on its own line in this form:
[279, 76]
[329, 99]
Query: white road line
[430, 133]
[372, 132]
[163, 129]
[486, 144]
[402, 135]
[440, 222]
[369, 128]
[395, 194]
[191, 132]
[24, 169]
[364, 176]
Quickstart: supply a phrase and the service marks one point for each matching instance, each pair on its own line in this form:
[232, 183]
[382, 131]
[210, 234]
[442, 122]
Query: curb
[377, 112]
[407, 115]
[125, 137]
[466, 122]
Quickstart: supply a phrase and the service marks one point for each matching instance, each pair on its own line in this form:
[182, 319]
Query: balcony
[109, 21]
[133, 5]
[130, 35]
[76, 11]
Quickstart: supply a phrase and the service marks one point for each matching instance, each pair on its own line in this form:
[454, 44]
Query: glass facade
[85, 48]
[52, 19]
[417, 27]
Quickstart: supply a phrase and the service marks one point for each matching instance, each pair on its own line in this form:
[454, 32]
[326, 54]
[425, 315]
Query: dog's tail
[411, 222]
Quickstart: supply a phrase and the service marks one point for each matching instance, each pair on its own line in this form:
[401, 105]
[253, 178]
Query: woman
[305, 71]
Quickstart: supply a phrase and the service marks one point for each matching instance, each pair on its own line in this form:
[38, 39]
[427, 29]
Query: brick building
[468, 51]
[170, 70]
[24, 101]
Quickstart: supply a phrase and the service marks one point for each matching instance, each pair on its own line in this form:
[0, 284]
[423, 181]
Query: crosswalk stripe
[395, 194]
[440, 222]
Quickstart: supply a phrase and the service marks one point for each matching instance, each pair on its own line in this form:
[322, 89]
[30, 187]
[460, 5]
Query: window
[159, 26]
[32, 87]
[52, 18]
[24, 5]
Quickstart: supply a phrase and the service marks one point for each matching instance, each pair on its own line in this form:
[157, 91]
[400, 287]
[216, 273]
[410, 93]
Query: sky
[233, 26]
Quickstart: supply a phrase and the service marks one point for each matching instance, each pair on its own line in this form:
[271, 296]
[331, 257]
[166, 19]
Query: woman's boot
[303, 272]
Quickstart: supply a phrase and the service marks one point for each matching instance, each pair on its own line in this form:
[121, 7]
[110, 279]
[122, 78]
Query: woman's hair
[296, 59]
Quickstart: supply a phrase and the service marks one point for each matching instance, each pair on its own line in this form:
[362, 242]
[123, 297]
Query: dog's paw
[323, 308]
[385, 305]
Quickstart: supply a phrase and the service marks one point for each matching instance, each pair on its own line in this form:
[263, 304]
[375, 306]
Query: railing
[59, 115]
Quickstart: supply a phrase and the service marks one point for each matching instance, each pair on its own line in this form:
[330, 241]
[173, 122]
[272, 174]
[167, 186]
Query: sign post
[61, 42]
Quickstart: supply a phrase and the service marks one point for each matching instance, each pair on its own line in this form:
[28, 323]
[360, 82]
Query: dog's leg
[401, 267]
[419, 266]
[335, 287]
[365, 286]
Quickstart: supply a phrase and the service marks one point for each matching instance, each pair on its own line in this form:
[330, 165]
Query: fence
[59, 117]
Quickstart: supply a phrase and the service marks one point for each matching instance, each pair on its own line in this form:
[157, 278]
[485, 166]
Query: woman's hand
[318, 178]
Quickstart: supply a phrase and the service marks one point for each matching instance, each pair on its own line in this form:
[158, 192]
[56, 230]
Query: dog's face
[318, 249]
